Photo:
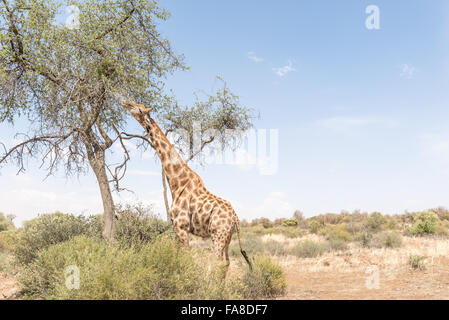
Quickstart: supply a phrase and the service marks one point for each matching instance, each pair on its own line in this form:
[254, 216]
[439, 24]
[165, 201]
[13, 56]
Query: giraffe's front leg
[181, 223]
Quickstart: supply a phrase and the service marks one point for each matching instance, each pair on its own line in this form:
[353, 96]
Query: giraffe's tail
[243, 252]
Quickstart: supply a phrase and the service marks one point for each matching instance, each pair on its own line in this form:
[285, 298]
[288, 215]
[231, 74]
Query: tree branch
[22, 147]
[117, 25]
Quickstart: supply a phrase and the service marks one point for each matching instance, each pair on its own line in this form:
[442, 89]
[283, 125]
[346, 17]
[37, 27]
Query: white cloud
[274, 206]
[282, 71]
[348, 122]
[407, 71]
[252, 56]
[29, 201]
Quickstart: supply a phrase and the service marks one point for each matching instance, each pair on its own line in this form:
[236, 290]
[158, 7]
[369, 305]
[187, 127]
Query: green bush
[442, 228]
[355, 222]
[336, 232]
[267, 280]
[266, 223]
[424, 223]
[391, 224]
[158, 270]
[315, 226]
[289, 232]
[46, 230]
[376, 221]
[290, 222]
[134, 226]
[8, 240]
[3, 261]
[386, 239]
[137, 225]
[442, 213]
[5, 223]
[308, 249]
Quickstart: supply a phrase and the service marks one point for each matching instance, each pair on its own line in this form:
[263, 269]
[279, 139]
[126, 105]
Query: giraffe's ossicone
[194, 209]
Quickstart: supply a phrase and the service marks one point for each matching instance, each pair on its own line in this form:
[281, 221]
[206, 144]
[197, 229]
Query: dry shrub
[308, 249]
[267, 280]
[275, 248]
[386, 239]
[251, 244]
[337, 245]
[417, 262]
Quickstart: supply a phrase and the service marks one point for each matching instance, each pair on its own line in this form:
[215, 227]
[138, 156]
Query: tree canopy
[69, 82]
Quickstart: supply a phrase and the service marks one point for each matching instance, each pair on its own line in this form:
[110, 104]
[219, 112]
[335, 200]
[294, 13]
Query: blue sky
[361, 114]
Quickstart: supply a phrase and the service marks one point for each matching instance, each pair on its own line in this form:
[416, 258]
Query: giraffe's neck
[174, 167]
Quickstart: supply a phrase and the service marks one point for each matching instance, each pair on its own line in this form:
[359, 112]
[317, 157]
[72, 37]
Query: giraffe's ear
[147, 110]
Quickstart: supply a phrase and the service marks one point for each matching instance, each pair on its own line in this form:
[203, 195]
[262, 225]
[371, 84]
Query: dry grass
[343, 275]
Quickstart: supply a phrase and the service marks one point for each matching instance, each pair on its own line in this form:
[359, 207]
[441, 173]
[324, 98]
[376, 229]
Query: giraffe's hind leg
[226, 248]
[221, 240]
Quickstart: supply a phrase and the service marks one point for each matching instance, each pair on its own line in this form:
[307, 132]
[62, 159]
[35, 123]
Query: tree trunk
[99, 168]
[167, 207]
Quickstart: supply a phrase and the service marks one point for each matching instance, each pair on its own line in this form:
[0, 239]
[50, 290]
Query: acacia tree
[69, 81]
[215, 121]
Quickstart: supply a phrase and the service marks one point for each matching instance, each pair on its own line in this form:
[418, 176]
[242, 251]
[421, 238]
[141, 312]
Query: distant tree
[376, 221]
[5, 223]
[68, 82]
[278, 221]
[442, 213]
[298, 215]
[266, 223]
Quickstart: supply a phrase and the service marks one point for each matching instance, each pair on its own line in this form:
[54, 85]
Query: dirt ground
[371, 273]
[8, 287]
[401, 284]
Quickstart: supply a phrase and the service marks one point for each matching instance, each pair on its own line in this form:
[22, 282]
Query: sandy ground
[371, 273]
[8, 287]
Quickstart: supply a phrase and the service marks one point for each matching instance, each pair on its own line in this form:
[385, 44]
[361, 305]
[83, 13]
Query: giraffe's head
[139, 111]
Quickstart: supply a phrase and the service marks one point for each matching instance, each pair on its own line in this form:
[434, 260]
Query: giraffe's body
[194, 209]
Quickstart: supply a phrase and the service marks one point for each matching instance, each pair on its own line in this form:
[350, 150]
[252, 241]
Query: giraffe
[194, 209]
